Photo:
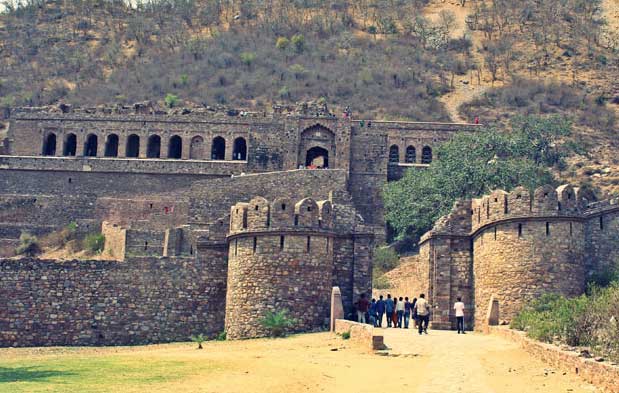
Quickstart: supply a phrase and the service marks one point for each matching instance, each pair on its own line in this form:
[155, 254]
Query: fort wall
[108, 303]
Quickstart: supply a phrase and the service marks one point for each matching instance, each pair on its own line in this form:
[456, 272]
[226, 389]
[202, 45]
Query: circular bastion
[280, 258]
[524, 246]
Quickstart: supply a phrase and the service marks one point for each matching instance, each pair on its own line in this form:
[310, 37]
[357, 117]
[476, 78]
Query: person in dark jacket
[407, 312]
[380, 311]
[389, 308]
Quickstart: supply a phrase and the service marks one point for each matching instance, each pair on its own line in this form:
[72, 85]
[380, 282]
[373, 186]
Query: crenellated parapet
[544, 202]
[282, 214]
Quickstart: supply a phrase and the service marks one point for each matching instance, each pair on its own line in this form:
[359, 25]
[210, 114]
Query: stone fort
[210, 217]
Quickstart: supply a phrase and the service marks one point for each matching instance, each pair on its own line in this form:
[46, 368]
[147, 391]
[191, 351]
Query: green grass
[70, 372]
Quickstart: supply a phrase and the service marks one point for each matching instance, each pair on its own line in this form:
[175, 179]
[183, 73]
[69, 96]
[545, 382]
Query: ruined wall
[525, 246]
[602, 234]
[108, 303]
[115, 241]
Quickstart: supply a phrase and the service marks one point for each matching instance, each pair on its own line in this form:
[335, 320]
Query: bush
[222, 336]
[277, 323]
[171, 100]
[28, 245]
[94, 242]
[346, 335]
[381, 282]
[587, 320]
[199, 339]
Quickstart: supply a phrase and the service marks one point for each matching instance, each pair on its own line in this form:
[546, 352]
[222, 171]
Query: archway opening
[70, 145]
[111, 146]
[317, 157]
[196, 149]
[175, 147]
[411, 155]
[154, 147]
[218, 150]
[426, 155]
[90, 147]
[49, 145]
[240, 149]
[394, 154]
[133, 146]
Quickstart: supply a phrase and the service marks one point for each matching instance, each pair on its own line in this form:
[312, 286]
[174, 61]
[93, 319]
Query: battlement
[545, 201]
[282, 214]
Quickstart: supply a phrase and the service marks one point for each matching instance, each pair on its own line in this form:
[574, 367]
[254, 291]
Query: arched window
[218, 149]
[175, 147]
[196, 149]
[111, 146]
[133, 146]
[49, 145]
[394, 154]
[90, 147]
[411, 155]
[154, 147]
[426, 155]
[70, 145]
[239, 151]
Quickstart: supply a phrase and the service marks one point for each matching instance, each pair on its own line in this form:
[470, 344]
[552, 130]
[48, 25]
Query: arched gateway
[317, 147]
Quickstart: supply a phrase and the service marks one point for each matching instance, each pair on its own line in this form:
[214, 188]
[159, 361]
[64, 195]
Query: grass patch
[94, 374]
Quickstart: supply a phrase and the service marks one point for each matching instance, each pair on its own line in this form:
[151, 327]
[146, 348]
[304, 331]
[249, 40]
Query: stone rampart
[108, 303]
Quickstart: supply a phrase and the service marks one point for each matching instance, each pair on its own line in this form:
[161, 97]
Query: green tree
[282, 43]
[248, 58]
[474, 164]
[171, 100]
[298, 42]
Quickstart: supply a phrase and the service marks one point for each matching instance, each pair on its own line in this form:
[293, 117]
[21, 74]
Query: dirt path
[477, 363]
[466, 87]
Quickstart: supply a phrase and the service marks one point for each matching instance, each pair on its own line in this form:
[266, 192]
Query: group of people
[399, 311]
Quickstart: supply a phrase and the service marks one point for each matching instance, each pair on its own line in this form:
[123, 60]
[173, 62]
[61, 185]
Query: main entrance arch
[317, 147]
[317, 157]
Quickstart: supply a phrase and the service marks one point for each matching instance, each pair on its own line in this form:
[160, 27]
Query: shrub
[199, 339]
[248, 58]
[282, 43]
[277, 323]
[221, 336]
[346, 335]
[171, 100]
[381, 282]
[94, 242]
[28, 245]
[298, 42]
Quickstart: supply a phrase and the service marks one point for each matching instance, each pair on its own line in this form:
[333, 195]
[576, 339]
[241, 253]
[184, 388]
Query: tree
[473, 164]
[282, 43]
[298, 42]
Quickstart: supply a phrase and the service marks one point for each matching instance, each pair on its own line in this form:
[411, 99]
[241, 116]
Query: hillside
[427, 60]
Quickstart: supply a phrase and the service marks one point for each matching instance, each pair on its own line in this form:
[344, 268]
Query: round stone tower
[524, 246]
[280, 257]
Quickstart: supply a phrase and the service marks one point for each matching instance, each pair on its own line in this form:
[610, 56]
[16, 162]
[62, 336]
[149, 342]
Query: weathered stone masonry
[513, 247]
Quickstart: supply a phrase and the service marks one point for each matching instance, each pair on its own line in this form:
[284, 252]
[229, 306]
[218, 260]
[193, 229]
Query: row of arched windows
[153, 147]
[411, 155]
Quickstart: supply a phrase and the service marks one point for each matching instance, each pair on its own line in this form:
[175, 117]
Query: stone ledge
[360, 333]
[600, 374]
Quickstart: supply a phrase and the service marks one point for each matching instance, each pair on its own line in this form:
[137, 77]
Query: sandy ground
[439, 362]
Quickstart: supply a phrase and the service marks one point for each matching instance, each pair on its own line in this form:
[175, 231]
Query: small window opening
[518, 196]
[191, 250]
[255, 244]
[281, 243]
[505, 206]
[151, 205]
[236, 247]
[547, 229]
[145, 246]
[296, 220]
[69, 180]
[602, 223]
[309, 208]
[256, 208]
[569, 196]
[559, 206]
[328, 245]
[571, 231]
[494, 233]
[496, 199]
[309, 240]
[519, 230]
[283, 206]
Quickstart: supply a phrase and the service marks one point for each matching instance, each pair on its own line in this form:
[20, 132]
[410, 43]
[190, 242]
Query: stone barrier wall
[361, 334]
[140, 301]
[601, 374]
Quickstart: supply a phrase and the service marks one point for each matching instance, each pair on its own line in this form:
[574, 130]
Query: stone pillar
[101, 141]
[143, 145]
[229, 150]
[59, 144]
[80, 139]
[165, 144]
[122, 145]
[337, 307]
[186, 147]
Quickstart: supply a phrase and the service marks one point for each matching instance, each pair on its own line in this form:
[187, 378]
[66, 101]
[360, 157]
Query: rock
[599, 359]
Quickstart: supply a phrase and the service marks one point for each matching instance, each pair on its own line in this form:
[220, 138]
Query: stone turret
[280, 257]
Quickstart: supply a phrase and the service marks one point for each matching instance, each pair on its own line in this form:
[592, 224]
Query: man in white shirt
[423, 313]
[459, 307]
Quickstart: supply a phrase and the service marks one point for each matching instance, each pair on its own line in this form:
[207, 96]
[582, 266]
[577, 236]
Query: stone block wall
[146, 300]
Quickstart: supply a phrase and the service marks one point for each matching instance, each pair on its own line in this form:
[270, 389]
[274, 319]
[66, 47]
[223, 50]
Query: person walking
[362, 308]
[400, 311]
[389, 309]
[459, 307]
[414, 312]
[380, 311]
[407, 312]
[394, 314]
[423, 313]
